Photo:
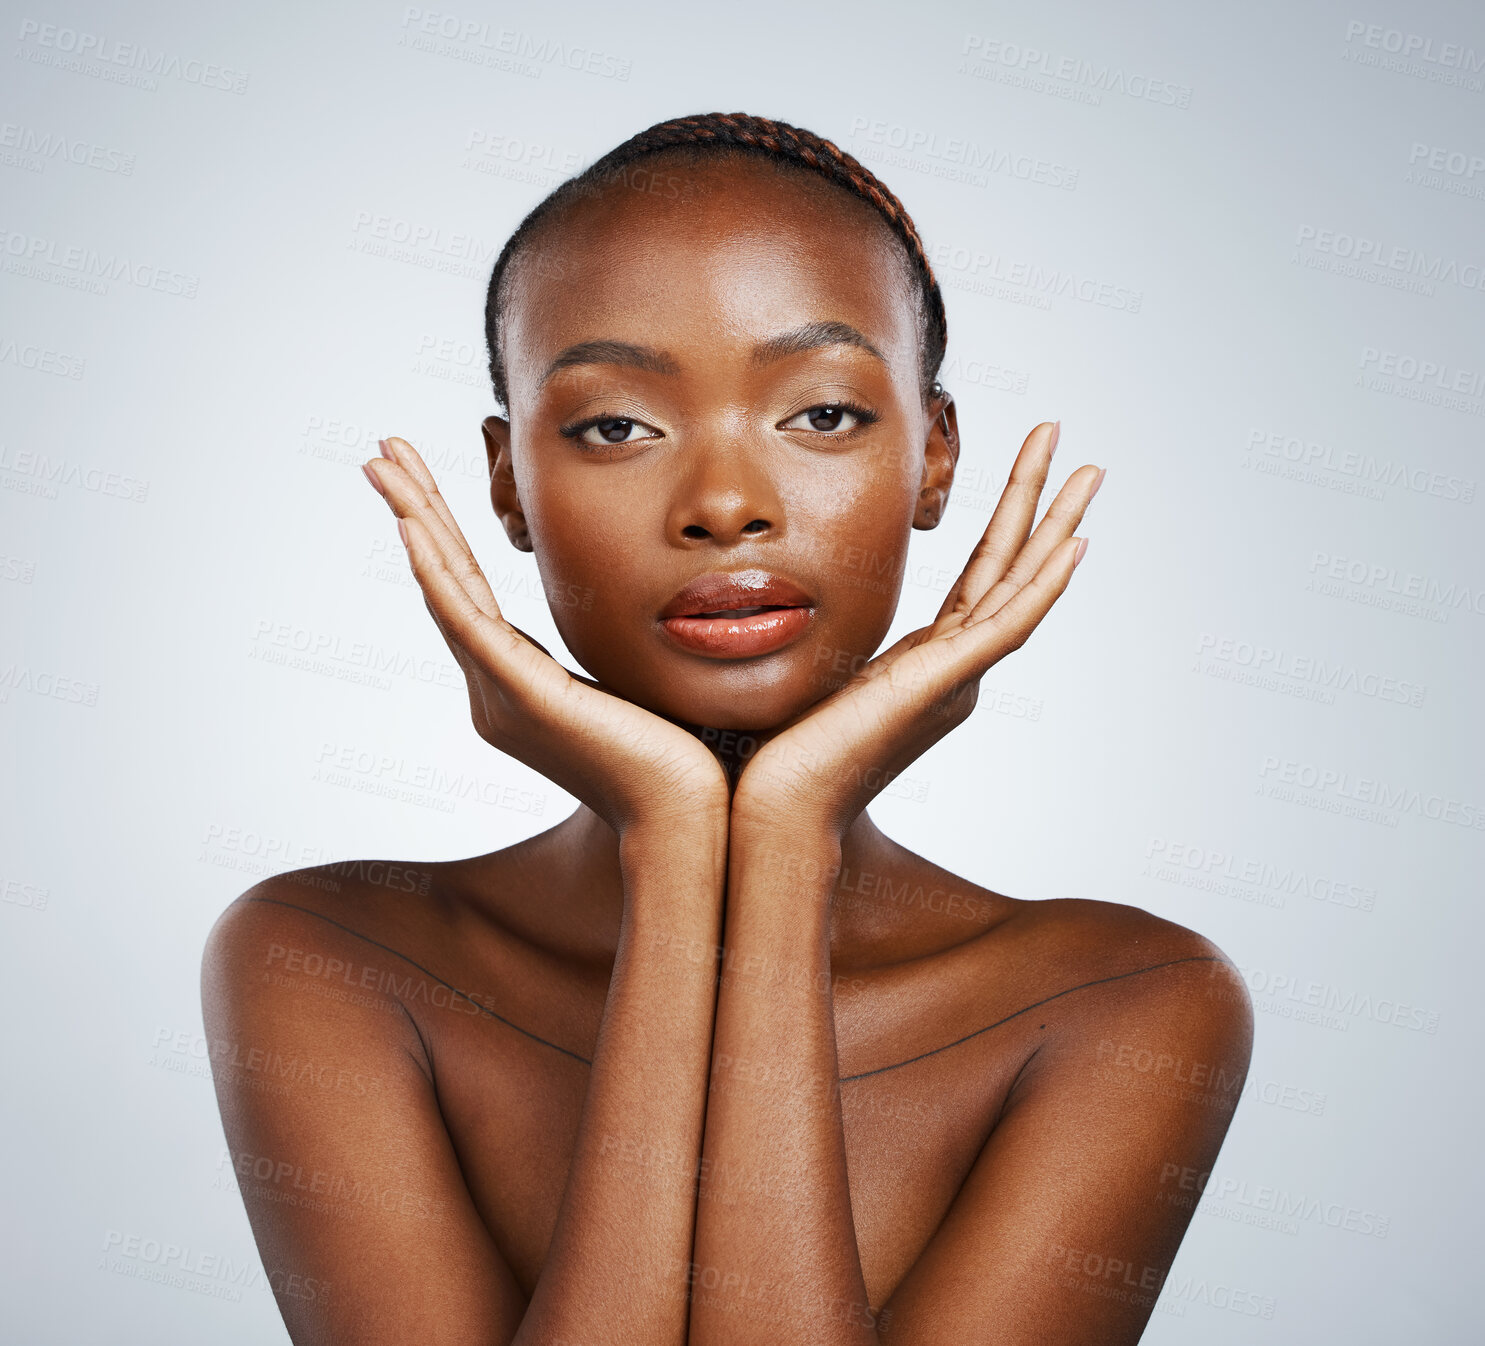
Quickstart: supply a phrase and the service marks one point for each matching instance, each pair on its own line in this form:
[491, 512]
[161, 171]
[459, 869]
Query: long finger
[982, 643]
[1058, 524]
[405, 456]
[491, 641]
[453, 640]
[409, 499]
[1011, 522]
[401, 453]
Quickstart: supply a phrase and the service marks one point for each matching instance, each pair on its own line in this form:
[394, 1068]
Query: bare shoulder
[1144, 995]
[1130, 1036]
[1113, 930]
[323, 899]
[328, 1102]
[370, 945]
[398, 905]
[1096, 959]
[333, 933]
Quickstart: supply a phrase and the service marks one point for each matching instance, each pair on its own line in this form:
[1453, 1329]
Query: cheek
[576, 529]
[590, 561]
[863, 527]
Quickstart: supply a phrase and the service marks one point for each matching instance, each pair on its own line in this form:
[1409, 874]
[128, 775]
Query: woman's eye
[603, 431]
[828, 417]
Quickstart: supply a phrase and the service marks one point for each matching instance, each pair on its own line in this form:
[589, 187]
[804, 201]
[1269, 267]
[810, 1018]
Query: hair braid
[734, 132]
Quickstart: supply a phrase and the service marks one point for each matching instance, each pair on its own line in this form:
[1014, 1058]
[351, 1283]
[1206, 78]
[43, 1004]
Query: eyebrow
[810, 336]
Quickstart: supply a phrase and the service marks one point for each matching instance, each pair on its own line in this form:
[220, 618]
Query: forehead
[707, 255]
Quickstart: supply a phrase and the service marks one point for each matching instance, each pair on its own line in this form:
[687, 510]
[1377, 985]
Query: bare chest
[511, 1087]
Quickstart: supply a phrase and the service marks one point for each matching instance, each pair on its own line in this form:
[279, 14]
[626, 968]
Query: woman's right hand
[631, 767]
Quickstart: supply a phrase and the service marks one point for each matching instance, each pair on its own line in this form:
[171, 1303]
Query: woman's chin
[714, 698]
[757, 715]
[708, 720]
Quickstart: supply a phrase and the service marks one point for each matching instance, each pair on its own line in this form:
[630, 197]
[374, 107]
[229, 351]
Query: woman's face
[685, 446]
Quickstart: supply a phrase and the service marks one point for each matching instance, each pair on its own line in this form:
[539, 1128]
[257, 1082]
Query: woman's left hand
[827, 764]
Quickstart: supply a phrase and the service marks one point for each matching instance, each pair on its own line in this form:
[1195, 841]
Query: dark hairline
[550, 211]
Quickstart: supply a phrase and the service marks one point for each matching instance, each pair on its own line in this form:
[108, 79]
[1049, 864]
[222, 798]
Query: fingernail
[386, 452]
[1097, 482]
[371, 477]
[402, 531]
[1078, 555]
[1056, 435]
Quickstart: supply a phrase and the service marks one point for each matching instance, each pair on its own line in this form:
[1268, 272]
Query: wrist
[790, 862]
[759, 819]
[700, 820]
[675, 870]
[700, 830]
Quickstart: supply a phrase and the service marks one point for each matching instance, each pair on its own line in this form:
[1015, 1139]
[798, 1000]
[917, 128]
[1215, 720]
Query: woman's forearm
[617, 1268]
[776, 1256]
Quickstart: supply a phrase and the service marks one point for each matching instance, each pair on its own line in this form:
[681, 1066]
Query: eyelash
[576, 430]
[864, 417]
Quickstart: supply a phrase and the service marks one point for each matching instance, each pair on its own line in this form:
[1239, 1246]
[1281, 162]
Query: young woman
[714, 1060]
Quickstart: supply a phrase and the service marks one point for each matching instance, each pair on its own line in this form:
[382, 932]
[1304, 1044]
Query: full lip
[743, 615]
[740, 591]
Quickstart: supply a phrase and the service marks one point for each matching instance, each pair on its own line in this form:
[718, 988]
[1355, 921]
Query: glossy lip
[691, 618]
[716, 591]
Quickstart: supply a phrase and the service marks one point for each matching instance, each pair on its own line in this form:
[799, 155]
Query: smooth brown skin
[1029, 1090]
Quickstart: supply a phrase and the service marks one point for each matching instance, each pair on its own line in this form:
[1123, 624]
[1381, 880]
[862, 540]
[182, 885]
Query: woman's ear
[503, 482]
[940, 457]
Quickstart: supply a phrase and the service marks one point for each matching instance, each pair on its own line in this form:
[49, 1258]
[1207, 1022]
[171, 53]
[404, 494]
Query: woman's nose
[726, 498]
[721, 526]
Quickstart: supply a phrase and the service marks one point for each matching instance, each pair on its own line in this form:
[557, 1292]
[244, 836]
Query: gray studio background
[1238, 250]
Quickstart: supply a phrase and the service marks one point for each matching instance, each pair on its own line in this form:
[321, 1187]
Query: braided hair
[735, 133]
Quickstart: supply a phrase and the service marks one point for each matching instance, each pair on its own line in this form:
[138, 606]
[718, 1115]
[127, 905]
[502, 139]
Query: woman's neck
[577, 863]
